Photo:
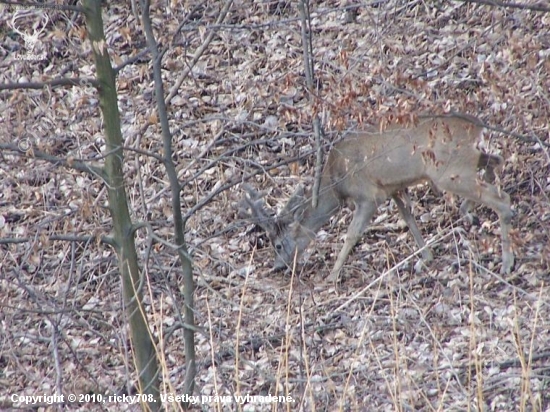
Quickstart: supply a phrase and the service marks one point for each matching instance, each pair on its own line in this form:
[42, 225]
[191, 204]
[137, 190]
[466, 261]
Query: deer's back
[380, 163]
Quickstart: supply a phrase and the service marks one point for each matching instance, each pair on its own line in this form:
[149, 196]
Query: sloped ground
[453, 337]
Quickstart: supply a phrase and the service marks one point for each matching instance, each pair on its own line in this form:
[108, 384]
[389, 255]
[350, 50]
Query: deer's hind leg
[466, 185]
[488, 163]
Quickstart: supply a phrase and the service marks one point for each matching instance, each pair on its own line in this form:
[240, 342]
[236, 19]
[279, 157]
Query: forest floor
[456, 336]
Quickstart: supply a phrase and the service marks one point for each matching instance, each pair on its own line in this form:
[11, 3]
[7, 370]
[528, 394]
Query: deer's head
[288, 237]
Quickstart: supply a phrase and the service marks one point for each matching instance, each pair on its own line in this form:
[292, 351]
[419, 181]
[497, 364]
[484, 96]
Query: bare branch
[51, 6]
[207, 199]
[50, 83]
[65, 238]
[533, 7]
[199, 52]
[76, 164]
[131, 60]
[307, 48]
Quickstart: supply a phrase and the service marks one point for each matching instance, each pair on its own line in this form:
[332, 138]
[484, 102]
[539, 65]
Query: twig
[52, 83]
[75, 164]
[205, 151]
[236, 181]
[52, 6]
[307, 48]
[387, 272]
[507, 283]
[199, 52]
[532, 7]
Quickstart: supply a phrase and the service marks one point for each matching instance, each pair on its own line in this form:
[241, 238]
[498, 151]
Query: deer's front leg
[361, 218]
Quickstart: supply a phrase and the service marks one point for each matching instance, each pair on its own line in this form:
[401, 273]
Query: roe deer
[369, 166]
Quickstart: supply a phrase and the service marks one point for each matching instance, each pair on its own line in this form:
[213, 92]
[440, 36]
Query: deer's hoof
[507, 264]
[333, 277]
[427, 256]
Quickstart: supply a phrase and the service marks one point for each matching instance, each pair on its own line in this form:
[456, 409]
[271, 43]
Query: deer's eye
[278, 246]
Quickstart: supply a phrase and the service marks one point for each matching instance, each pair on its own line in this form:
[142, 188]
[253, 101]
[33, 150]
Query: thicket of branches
[241, 108]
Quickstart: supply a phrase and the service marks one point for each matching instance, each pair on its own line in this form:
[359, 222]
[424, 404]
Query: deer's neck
[327, 205]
